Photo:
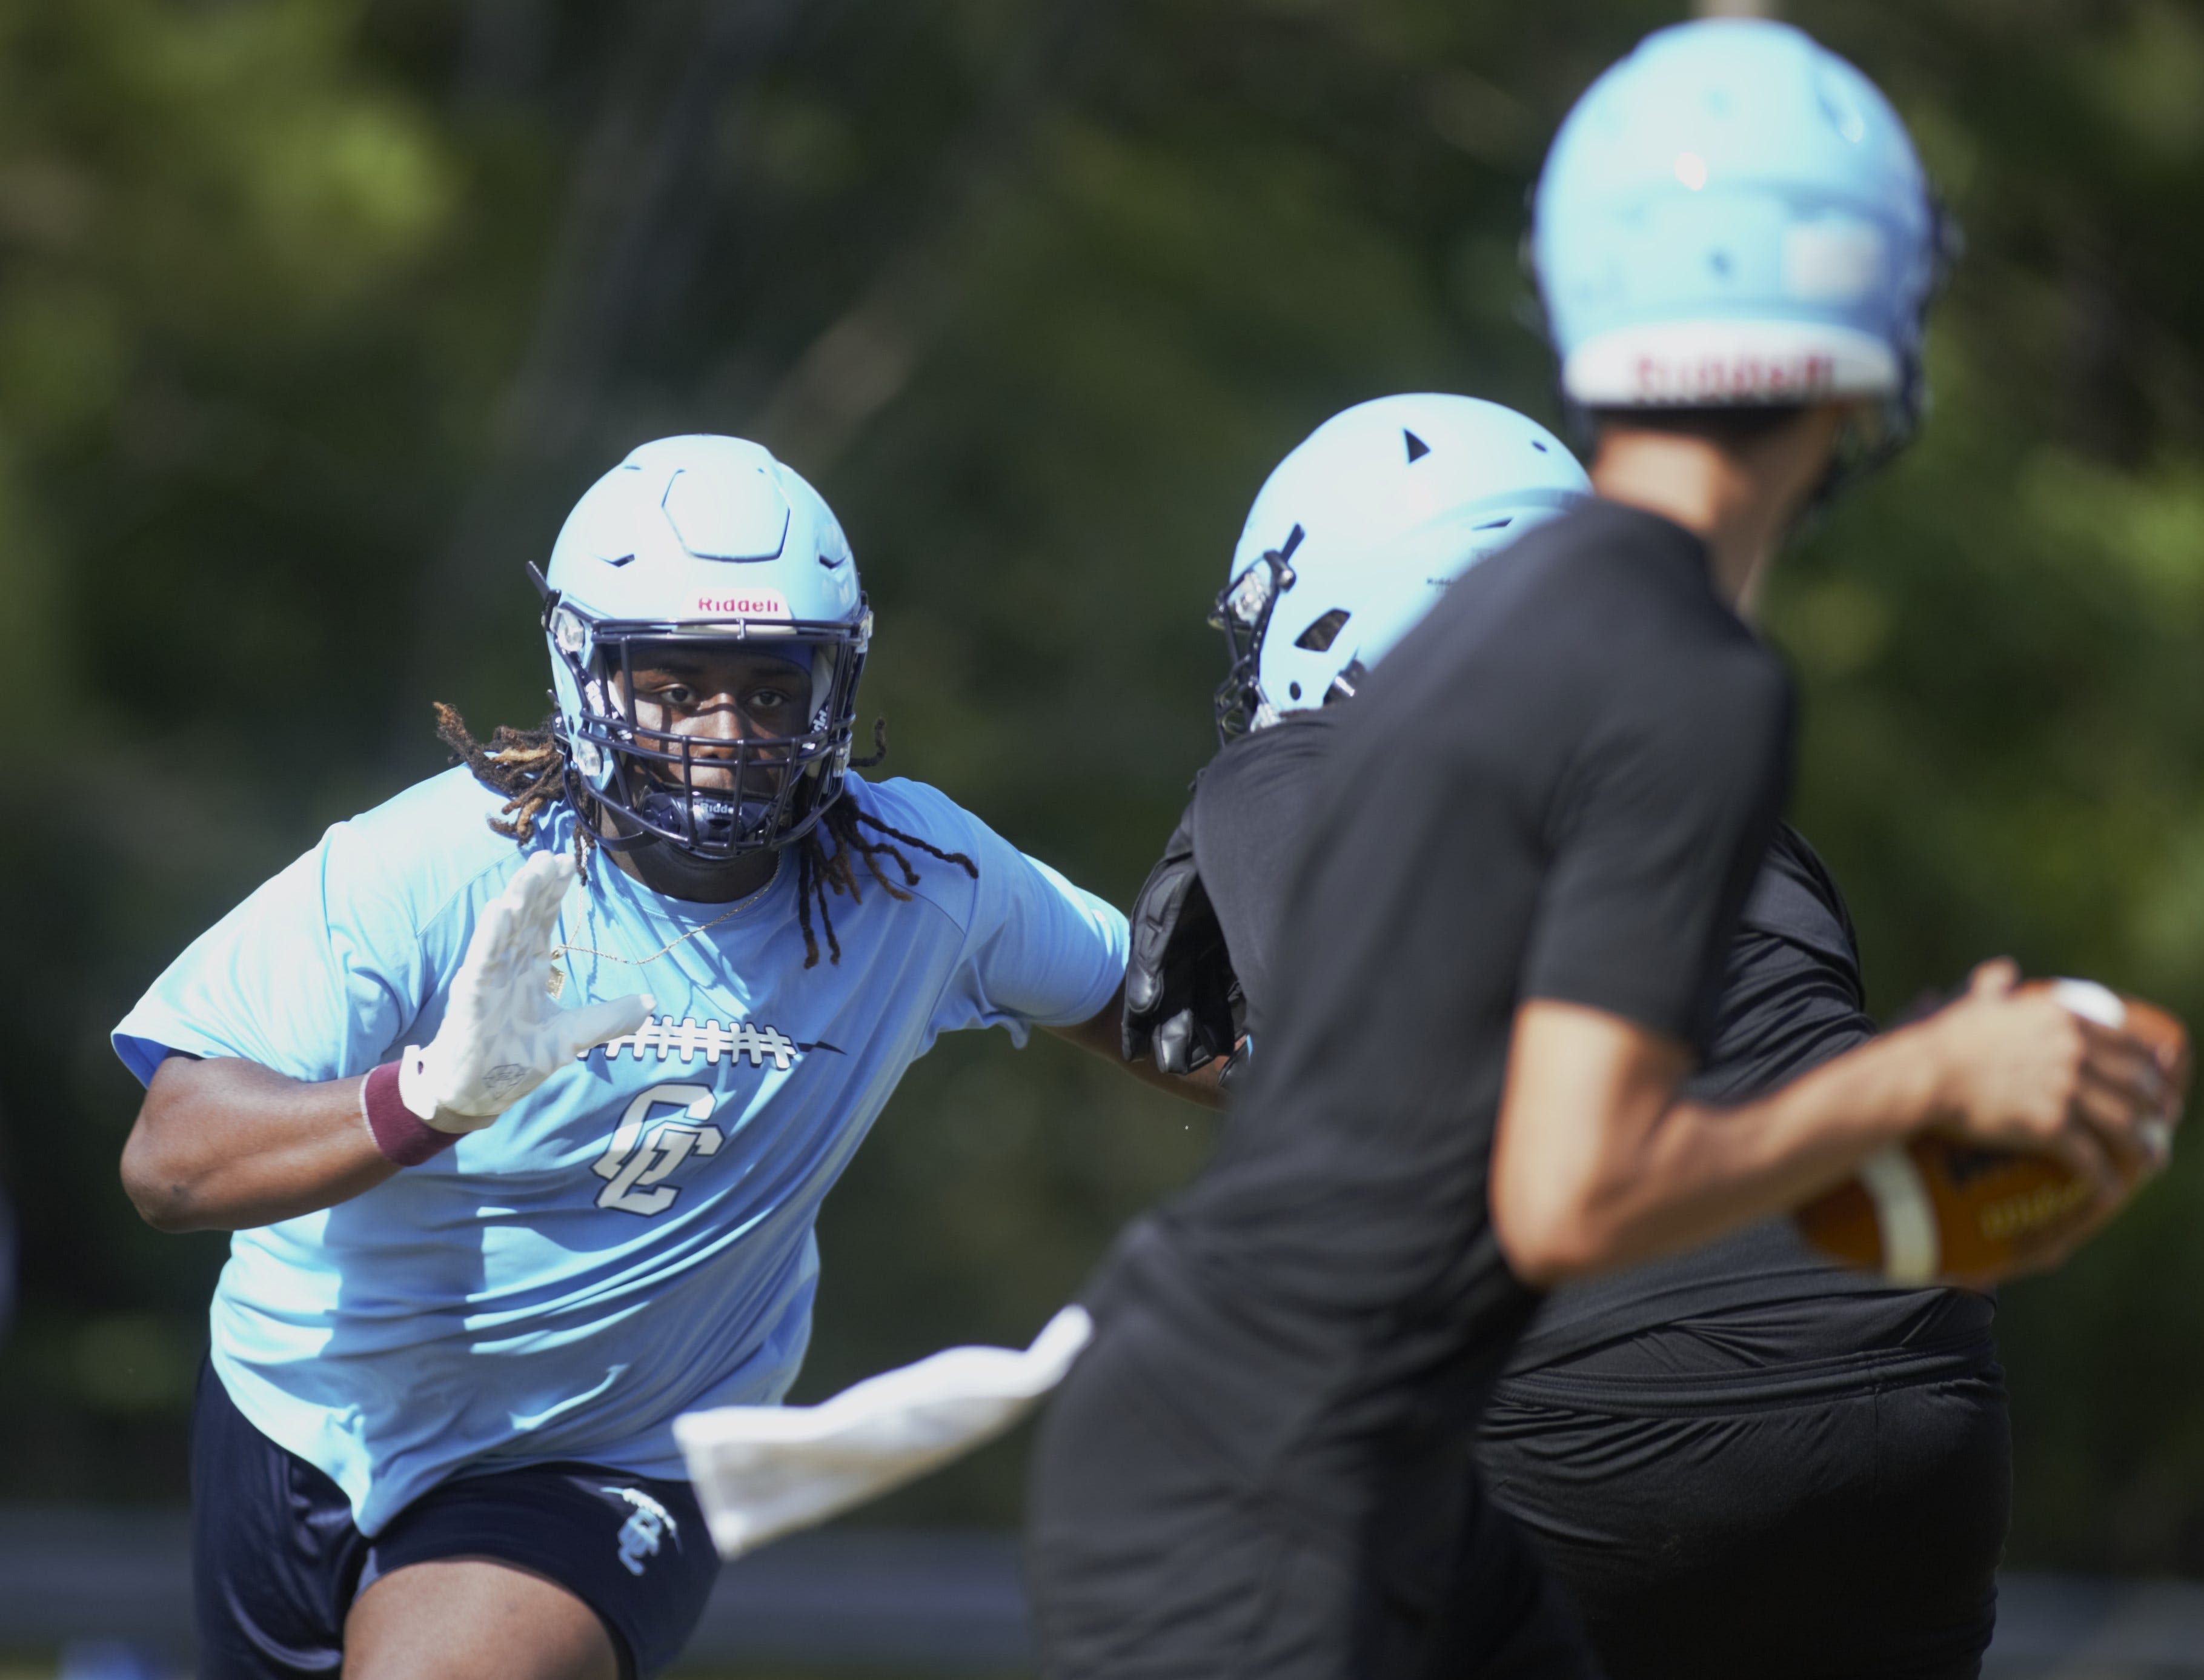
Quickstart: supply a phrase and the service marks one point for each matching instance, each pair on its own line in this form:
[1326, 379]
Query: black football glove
[1180, 989]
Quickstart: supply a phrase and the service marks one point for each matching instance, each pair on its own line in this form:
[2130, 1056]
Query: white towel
[763, 1471]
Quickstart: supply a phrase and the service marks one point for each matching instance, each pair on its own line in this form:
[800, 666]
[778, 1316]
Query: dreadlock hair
[528, 766]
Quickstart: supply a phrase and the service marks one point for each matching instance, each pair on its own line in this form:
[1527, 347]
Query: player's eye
[675, 694]
[770, 699]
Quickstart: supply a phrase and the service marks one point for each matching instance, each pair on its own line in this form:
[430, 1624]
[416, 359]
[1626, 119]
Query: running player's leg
[559, 1572]
[475, 1618]
[275, 1555]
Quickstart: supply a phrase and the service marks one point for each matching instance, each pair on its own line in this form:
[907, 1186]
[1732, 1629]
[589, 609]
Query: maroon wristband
[402, 1135]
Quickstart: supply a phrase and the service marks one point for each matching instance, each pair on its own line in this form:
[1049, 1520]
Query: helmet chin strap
[665, 868]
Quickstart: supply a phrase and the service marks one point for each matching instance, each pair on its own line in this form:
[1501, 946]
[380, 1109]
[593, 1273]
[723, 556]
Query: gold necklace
[559, 974]
[557, 951]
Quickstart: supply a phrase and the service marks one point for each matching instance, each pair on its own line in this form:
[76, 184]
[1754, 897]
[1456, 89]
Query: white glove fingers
[486, 956]
[598, 1023]
[514, 935]
[542, 884]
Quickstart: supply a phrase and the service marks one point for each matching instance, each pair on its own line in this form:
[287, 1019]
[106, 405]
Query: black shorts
[1152, 1558]
[1850, 1527]
[276, 1561]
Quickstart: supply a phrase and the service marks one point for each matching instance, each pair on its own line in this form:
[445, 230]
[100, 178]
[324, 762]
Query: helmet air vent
[1323, 632]
[1417, 447]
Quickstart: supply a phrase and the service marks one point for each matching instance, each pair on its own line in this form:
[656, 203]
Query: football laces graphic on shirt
[641, 1154]
[689, 1038]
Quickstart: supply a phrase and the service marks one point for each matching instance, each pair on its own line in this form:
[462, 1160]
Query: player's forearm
[1701, 1170]
[226, 1145]
[1099, 1035]
[1597, 1164]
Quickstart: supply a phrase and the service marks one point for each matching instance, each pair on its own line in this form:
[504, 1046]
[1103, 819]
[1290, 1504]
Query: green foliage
[315, 315]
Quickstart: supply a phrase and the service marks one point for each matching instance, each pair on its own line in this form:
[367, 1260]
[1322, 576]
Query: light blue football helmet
[1361, 530]
[1734, 215]
[710, 543]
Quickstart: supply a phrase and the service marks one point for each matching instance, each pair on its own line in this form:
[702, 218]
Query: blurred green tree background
[315, 315]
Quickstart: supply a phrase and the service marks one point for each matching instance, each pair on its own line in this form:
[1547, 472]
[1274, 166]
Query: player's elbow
[157, 1183]
[1546, 1253]
[1552, 1233]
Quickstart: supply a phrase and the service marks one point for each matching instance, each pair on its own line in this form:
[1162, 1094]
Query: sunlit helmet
[703, 544]
[1361, 528]
[1734, 215]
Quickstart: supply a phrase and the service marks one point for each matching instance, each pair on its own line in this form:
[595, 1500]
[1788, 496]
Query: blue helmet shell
[1733, 213]
[710, 542]
[1361, 530]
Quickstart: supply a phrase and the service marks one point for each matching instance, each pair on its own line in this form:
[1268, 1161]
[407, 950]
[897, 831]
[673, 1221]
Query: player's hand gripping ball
[502, 1034]
[1940, 1208]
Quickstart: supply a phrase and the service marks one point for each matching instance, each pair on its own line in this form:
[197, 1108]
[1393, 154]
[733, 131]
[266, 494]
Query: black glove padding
[1179, 984]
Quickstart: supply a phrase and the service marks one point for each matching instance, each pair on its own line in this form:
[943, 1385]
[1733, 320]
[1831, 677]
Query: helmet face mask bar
[715, 797]
[1872, 438]
[1243, 612]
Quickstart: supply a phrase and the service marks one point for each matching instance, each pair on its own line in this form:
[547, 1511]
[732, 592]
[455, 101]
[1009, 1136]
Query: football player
[1535, 831]
[1741, 1462]
[521, 1092]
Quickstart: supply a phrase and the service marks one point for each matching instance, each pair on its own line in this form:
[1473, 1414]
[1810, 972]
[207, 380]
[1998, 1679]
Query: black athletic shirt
[1560, 785]
[1792, 998]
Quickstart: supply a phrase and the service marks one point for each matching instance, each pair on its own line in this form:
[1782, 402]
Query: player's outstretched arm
[1597, 1165]
[227, 1144]
[1102, 1034]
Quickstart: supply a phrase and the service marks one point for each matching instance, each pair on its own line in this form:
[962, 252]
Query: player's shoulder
[1607, 559]
[901, 811]
[428, 846]
[1633, 596]
[913, 805]
[1254, 768]
[1796, 898]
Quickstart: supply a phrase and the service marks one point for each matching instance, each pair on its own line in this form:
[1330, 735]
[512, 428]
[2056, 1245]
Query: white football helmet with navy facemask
[704, 545]
[1361, 530]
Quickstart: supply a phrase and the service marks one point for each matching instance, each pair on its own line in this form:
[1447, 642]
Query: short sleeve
[1657, 831]
[1037, 951]
[317, 975]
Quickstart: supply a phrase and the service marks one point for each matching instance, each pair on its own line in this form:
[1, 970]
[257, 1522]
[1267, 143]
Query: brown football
[1938, 1208]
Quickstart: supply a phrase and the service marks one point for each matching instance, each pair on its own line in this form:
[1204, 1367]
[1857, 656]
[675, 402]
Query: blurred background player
[481, 1265]
[1536, 831]
[1740, 1462]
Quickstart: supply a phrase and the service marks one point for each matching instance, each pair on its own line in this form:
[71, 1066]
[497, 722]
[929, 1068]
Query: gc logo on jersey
[641, 1156]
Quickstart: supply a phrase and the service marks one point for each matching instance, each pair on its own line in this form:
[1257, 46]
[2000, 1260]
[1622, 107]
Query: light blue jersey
[634, 1239]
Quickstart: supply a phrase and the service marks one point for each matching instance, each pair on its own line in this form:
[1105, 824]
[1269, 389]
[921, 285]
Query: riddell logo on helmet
[750, 604]
[1728, 378]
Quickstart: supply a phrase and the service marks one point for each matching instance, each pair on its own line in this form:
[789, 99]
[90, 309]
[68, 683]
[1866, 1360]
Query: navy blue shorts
[277, 1562]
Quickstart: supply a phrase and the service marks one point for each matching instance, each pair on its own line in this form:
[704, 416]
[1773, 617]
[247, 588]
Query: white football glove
[502, 1035]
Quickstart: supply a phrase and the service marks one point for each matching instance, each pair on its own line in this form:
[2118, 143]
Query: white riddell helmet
[709, 542]
[1734, 215]
[1361, 530]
